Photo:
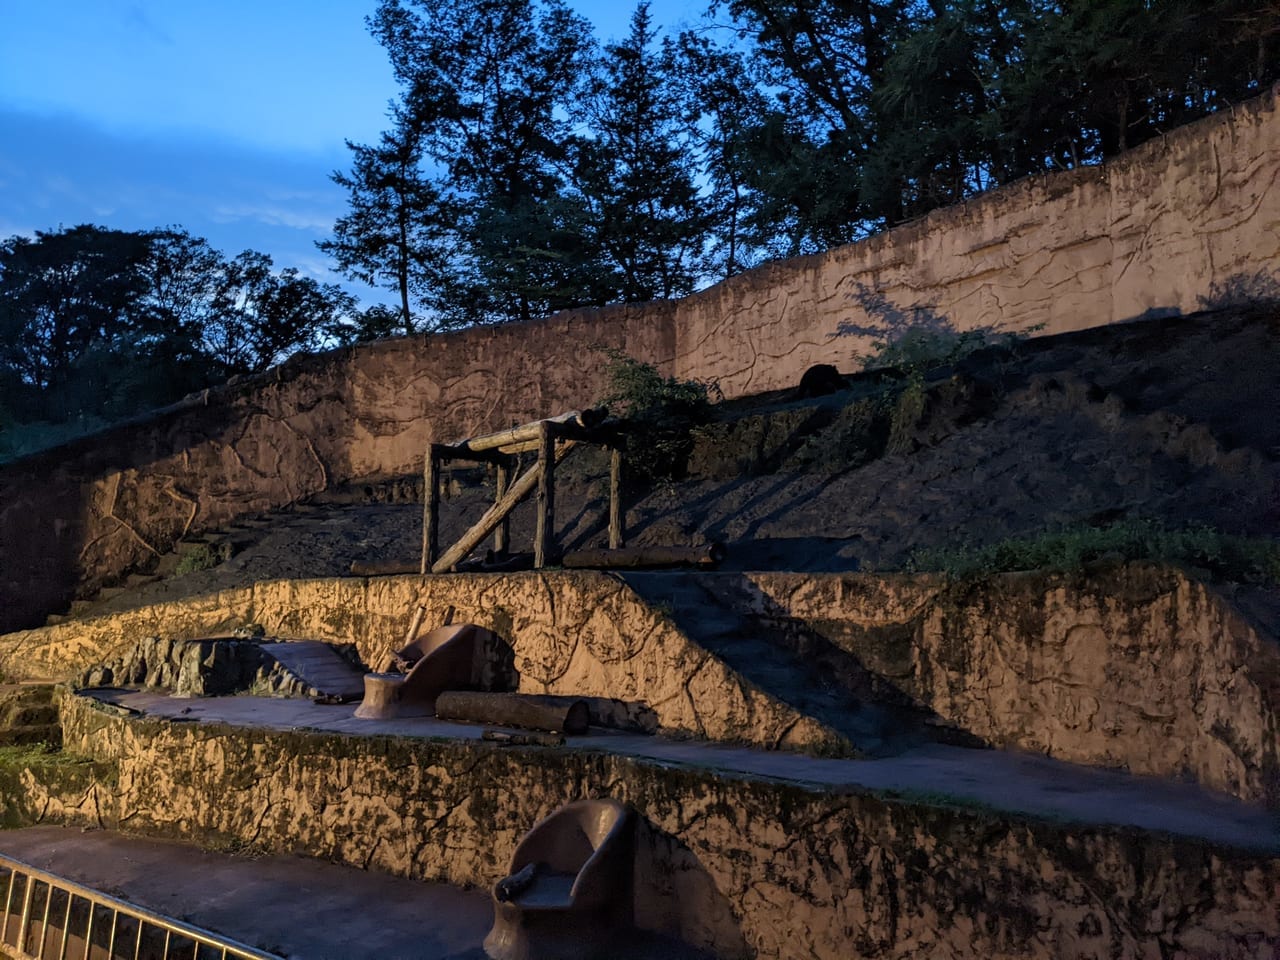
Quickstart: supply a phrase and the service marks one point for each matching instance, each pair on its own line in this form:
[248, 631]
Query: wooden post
[544, 537]
[520, 488]
[617, 519]
[502, 535]
[430, 509]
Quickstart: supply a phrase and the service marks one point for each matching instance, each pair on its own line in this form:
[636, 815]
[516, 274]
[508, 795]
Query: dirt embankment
[1174, 420]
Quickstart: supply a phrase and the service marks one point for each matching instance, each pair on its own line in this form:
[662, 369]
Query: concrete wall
[575, 633]
[1180, 222]
[745, 868]
[1143, 670]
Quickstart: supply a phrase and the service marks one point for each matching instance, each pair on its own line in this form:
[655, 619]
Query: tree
[489, 89]
[97, 324]
[397, 231]
[259, 316]
[637, 173]
[715, 83]
[60, 294]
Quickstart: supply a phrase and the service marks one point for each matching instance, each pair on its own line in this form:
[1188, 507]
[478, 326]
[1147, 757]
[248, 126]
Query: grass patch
[1227, 557]
[201, 557]
[22, 756]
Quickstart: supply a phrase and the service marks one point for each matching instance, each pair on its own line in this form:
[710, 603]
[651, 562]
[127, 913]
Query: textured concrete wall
[1142, 669]
[1139, 668]
[583, 633]
[1178, 223]
[746, 868]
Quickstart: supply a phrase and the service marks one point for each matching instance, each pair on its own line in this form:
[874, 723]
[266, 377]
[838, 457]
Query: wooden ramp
[319, 667]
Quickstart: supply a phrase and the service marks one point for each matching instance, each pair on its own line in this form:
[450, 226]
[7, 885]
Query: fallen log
[707, 555]
[382, 568]
[530, 711]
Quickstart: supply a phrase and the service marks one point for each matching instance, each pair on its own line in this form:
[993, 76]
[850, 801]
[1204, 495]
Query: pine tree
[637, 171]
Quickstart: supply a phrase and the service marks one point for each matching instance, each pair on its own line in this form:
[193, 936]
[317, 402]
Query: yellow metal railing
[50, 918]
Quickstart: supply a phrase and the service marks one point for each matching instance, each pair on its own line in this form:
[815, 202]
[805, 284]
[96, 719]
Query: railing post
[26, 915]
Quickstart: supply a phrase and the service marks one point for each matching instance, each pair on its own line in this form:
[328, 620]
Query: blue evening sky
[225, 117]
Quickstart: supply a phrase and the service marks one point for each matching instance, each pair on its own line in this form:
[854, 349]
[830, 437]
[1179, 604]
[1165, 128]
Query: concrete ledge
[742, 866]
[581, 633]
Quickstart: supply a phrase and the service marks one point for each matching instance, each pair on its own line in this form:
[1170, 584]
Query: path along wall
[1177, 224]
[745, 868]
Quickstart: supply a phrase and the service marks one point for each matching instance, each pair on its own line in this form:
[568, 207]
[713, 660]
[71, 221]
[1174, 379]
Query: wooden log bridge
[553, 439]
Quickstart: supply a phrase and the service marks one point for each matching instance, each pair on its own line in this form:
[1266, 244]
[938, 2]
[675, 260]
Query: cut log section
[529, 711]
[707, 555]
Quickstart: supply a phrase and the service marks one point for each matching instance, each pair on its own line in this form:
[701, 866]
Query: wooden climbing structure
[552, 439]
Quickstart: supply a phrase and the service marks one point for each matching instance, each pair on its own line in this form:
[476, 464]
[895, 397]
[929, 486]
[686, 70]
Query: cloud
[319, 222]
[60, 171]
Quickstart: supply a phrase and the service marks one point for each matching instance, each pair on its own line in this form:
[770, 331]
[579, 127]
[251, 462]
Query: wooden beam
[544, 537]
[518, 490]
[532, 431]
[617, 517]
[430, 508]
[502, 535]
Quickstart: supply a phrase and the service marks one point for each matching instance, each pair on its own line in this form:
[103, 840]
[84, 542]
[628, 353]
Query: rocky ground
[1174, 420]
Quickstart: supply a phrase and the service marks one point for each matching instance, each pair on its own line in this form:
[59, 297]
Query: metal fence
[49, 918]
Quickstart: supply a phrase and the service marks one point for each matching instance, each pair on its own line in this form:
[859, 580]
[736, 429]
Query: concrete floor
[1002, 780]
[289, 906]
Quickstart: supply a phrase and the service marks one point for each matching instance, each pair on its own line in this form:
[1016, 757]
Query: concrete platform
[285, 905]
[1006, 781]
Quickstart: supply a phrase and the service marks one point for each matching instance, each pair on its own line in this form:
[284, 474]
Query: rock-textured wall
[1178, 223]
[745, 868]
[579, 633]
[1139, 668]
[80, 516]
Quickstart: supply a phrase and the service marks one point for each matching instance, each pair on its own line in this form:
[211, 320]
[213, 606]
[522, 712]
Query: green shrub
[662, 413]
[201, 557]
[1241, 559]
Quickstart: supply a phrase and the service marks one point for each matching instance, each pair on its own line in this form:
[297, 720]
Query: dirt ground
[1176, 420]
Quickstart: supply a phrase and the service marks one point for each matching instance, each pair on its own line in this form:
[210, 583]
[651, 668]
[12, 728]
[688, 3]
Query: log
[708, 555]
[531, 431]
[545, 532]
[430, 508]
[502, 536]
[617, 516]
[520, 489]
[530, 711]
[383, 568]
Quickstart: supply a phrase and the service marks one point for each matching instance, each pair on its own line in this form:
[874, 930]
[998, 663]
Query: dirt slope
[1174, 419]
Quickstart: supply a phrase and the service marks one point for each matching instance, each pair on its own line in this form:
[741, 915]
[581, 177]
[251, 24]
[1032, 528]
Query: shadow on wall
[676, 897]
[887, 322]
[1260, 288]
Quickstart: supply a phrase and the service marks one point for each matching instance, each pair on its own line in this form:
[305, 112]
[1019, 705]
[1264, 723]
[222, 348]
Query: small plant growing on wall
[662, 413]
